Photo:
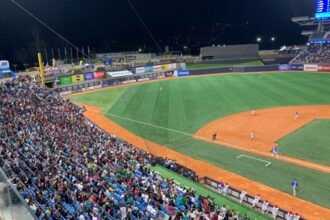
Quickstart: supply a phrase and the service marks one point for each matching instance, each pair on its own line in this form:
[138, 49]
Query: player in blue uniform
[275, 152]
[294, 185]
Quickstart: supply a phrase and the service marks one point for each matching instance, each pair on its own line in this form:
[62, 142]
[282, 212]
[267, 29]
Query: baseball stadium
[235, 132]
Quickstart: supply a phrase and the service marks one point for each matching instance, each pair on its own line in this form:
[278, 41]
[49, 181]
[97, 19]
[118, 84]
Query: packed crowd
[315, 54]
[66, 168]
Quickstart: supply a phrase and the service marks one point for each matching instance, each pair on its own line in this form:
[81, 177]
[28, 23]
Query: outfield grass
[311, 142]
[204, 191]
[193, 66]
[186, 104]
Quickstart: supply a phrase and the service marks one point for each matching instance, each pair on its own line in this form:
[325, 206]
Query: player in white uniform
[294, 185]
[289, 216]
[296, 115]
[264, 208]
[275, 211]
[242, 196]
[225, 189]
[252, 135]
[296, 216]
[255, 201]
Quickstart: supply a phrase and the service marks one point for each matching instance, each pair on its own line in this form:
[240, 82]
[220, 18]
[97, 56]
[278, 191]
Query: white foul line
[184, 133]
[268, 163]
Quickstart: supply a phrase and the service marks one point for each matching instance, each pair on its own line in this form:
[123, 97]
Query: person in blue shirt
[294, 185]
[275, 152]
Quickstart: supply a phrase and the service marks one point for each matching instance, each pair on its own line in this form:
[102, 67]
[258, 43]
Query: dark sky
[102, 22]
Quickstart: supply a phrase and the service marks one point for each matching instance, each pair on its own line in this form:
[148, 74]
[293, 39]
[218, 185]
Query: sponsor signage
[4, 64]
[99, 75]
[148, 68]
[183, 73]
[143, 79]
[299, 67]
[172, 66]
[165, 67]
[310, 67]
[78, 78]
[129, 81]
[284, 67]
[140, 70]
[65, 80]
[89, 76]
[323, 68]
[120, 73]
[169, 74]
[157, 68]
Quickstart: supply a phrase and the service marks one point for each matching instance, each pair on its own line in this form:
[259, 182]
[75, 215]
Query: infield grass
[311, 142]
[186, 104]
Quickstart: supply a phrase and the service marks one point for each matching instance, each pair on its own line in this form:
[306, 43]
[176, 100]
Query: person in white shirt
[242, 196]
[225, 189]
[123, 211]
[296, 217]
[255, 201]
[264, 207]
[275, 211]
[289, 216]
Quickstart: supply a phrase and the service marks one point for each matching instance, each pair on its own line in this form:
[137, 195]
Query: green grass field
[197, 66]
[186, 104]
[311, 142]
[204, 191]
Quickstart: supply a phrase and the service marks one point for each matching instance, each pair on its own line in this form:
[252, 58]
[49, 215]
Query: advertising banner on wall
[148, 68]
[65, 80]
[323, 68]
[165, 67]
[172, 66]
[298, 67]
[89, 76]
[183, 73]
[99, 75]
[310, 67]
[120, 73]
[140, 70]
[169, 74]
[78, 78]
[284, 67]
[157, 68]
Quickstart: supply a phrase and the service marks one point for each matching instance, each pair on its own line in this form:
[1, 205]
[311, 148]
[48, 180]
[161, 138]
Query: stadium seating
[66, 168]
[315, 54]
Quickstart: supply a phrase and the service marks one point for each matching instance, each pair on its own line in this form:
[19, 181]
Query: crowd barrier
[248, 200]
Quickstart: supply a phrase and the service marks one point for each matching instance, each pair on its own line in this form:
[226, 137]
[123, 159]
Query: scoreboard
[322, 10]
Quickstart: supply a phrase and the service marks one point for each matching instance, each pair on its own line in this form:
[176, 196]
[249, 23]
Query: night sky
[111, 25]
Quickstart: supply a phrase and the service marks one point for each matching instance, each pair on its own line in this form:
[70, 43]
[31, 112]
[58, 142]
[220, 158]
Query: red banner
[99, 75]
[323, 68]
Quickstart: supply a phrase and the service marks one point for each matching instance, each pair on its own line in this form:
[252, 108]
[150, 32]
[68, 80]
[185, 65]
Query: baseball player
[252, 136]
[275, 152]
[296, 216]
[264, 208]
[220, 187]
[225, 189]
[294, 185]
[289, 216]
[275, 211]
[255, 201]
[296, 115]
[242, 196]
[214, 137]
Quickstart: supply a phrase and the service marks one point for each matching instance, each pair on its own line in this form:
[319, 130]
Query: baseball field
[180, 115]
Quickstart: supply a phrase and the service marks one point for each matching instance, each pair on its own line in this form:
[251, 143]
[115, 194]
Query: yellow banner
[78, 78]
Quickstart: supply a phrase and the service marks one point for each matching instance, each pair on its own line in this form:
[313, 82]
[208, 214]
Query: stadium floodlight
[258, 39]
[272, 39]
